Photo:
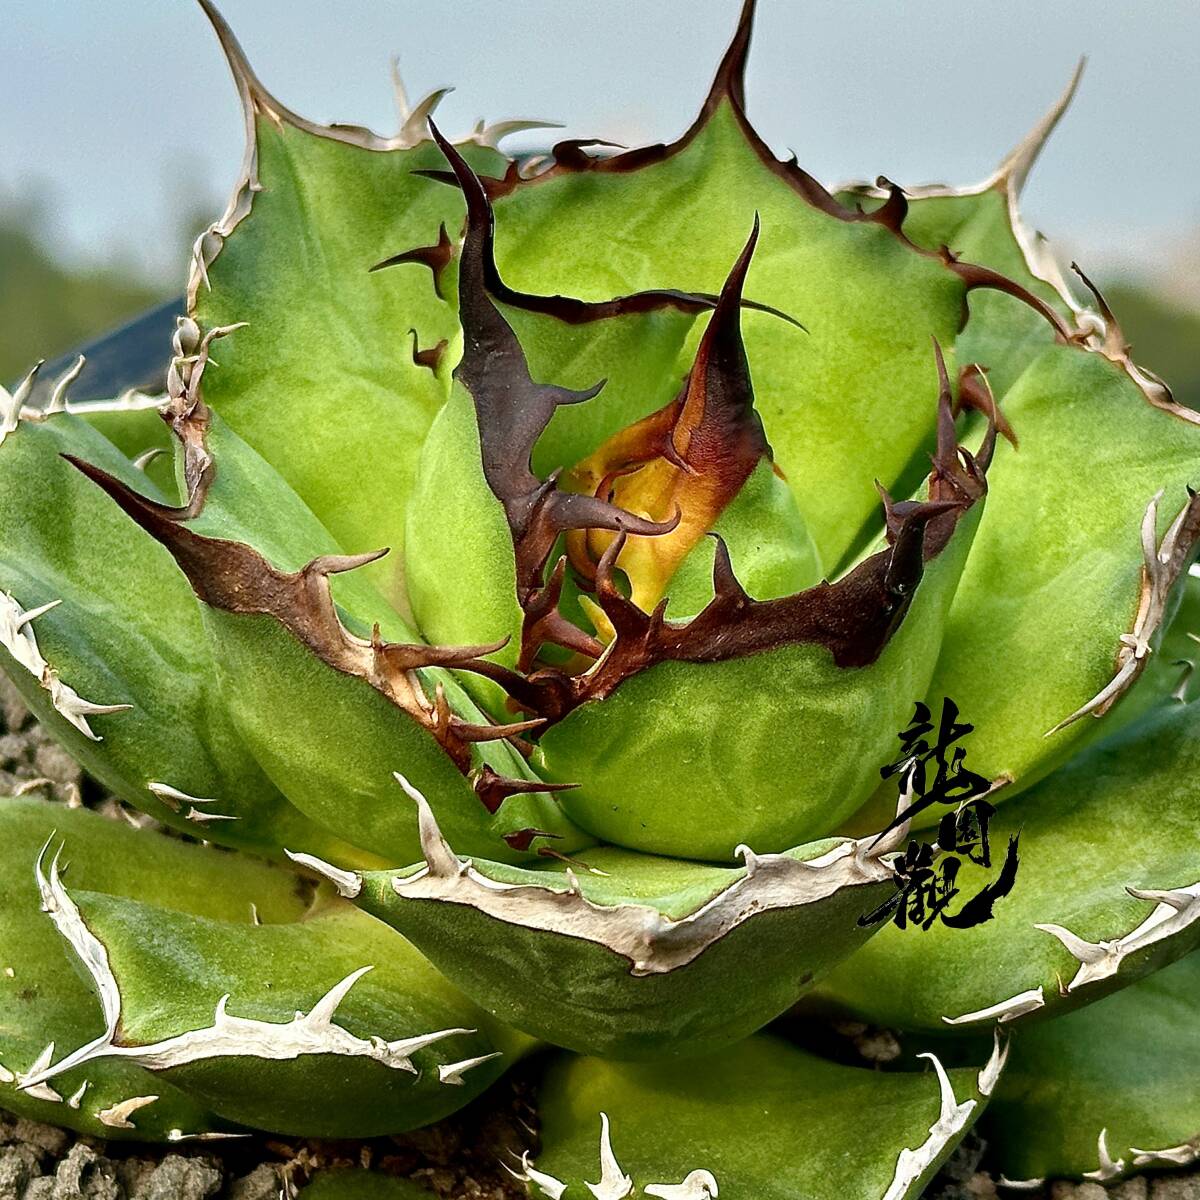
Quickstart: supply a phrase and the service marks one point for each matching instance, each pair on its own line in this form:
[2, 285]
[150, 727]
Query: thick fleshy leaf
[324, 377]
[630, 955]
[843, 404]
[1107, 891]
[327, 701]
[327, 1025]
[1108, 1090]
[120, 670]
[43, 1001]
[1089, 525]
[758, 1121]
[657, 773]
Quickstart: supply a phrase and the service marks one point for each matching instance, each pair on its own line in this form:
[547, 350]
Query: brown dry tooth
[894, 210]
[522, 839]
[976, 277]
[430, 358]
[544, 623]
[493, 789]
[236, 578]
[471, 732]
[974, 392]
[955, 476]
[436, 257]
[571, 150]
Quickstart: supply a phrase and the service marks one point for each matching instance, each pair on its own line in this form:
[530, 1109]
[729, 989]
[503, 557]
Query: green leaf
[762, 1120]
[1108, 1090]
[334, 1026]
[657, 775]
[322, 379]
[629, 955]
[127, 632]
[329, 711]
[1118, 817]
[43, 1000]
[1055, 578]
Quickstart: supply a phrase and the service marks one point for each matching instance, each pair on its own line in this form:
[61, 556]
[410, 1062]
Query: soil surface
[459, 1158]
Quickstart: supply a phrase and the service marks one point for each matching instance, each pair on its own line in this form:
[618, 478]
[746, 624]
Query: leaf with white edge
[46, 1005]
[1107, 891]
[323, 378]
[1108, 1090]
[102, 636]
[327, 1027]
[759, 1121]
[631, 955]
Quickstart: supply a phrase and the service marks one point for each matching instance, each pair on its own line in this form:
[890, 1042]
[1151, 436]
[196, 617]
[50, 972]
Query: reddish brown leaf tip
[730, 79]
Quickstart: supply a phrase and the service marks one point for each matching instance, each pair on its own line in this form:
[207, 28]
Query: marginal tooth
[347, 883]
[1181, 1155]
[40, 1091]
[492, 135]
[549, 1187]
[699, 1185]
[25, 387]
[77, 1096]
[177, 1135]
[1176, 900]
[117, 1116]
[416, 124]
[144, 459]
[194, 814]
[452, 1073]
[1003, 1010]
[322, 1013]
[173, 798]
[990, 1075]
[912, 1164]
[33, 614]
[1084, 951]
[439, 858]
[614, 1184]
[58, 397]
[1108, 1168]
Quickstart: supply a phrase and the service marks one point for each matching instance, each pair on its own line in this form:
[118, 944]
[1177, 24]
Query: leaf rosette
[555, 548]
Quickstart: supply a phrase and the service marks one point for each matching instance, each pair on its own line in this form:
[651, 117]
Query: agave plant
[698, 479]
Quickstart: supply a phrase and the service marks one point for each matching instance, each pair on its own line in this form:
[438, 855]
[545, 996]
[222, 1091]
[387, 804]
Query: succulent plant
[698, 479]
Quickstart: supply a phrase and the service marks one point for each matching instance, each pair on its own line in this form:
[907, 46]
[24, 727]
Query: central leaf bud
[684, 463]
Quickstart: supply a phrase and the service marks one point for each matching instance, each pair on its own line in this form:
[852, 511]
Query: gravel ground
[457, 1159]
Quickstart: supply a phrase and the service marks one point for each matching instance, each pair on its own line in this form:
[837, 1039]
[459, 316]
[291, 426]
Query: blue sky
[123, 109]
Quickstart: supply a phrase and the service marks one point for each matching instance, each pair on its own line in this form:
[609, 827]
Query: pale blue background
[125, 110]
